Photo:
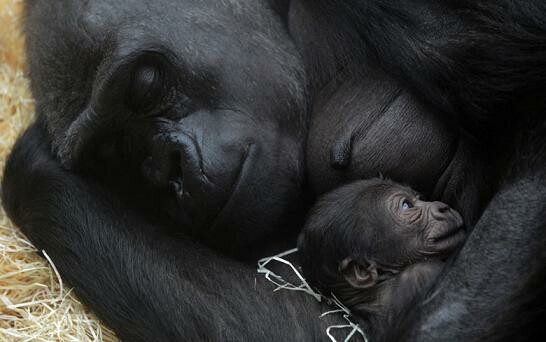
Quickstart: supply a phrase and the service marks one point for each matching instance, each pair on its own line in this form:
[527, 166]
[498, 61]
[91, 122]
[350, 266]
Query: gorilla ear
[360, 275]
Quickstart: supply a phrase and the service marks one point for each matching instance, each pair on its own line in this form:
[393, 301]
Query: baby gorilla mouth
[451, 235]
[450, 239]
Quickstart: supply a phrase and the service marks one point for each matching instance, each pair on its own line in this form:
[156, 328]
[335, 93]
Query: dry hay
[34, 303]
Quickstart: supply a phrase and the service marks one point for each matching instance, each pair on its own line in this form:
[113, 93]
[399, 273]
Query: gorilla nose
[439, 210]
[170, 157]
[161, 169]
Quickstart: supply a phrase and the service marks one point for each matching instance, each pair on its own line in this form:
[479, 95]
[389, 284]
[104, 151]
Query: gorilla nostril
[442, 207]
[175, 165]
[174, 161]
[163, 167]
[439, 210]
[177, 186]
[340, 154]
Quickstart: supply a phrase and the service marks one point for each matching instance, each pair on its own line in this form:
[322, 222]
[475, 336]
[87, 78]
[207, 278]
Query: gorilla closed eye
[149, 84]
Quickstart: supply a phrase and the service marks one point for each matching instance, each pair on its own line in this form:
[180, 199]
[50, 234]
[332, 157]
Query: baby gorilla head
[375, 243]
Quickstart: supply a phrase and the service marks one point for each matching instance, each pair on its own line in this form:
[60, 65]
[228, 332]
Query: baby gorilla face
[371, 230]
[376, 244]
[419, 229]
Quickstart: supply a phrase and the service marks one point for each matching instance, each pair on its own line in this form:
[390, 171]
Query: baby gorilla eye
[405, 204]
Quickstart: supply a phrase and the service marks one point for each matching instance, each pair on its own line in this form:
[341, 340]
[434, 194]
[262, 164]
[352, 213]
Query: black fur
[195, 114]
[478, 66]
[147, 286]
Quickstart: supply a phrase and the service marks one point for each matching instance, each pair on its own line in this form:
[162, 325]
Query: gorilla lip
[449, 233]
[449, 240]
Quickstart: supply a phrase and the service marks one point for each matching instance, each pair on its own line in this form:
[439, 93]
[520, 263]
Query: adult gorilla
[204, 103]
[192, 108]
[143, 83]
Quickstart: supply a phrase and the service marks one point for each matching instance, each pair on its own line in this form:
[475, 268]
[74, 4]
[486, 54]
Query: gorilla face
[379, 128]
[205, 105]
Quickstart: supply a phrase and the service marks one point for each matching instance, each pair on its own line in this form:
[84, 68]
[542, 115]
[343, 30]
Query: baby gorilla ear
[359, 275]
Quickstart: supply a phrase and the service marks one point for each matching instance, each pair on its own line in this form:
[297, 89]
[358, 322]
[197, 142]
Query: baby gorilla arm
[149, 287]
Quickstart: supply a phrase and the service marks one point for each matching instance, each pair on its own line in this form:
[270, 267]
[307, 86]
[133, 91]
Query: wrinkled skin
[199, 109]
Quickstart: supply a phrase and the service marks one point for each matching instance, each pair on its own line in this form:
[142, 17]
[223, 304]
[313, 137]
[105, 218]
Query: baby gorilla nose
[446, 231]
[440, 211]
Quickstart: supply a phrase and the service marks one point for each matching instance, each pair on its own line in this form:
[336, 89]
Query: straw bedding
[34, 303]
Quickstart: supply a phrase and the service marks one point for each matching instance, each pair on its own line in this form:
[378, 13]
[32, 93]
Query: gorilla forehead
[211, 33]
[379, 129]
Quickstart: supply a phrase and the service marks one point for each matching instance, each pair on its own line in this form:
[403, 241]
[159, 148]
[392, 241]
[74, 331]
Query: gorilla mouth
[455, 226]
[450, 239]
[449, 234]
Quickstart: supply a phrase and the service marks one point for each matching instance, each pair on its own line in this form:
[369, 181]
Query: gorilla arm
[149, 287]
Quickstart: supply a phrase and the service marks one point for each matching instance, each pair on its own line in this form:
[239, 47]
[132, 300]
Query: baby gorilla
[375, 245]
